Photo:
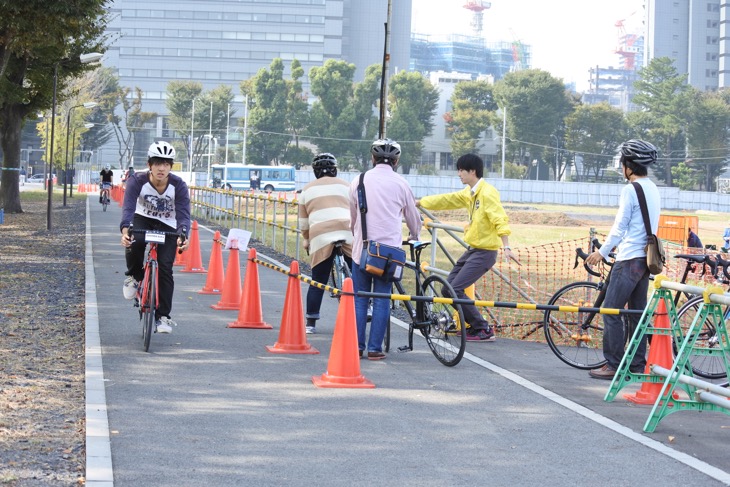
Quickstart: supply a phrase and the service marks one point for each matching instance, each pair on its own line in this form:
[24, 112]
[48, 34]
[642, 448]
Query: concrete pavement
[210, 406]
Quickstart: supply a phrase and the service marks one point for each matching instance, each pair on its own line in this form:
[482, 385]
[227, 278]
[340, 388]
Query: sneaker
[164, 325]
[311, 330]
[130, 287]
[480, 335]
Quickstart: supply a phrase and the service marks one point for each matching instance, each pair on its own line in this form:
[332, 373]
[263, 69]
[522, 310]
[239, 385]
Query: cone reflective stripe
[292, 337]
[660, 353]
[343, 367]
[249, 308]
[194, 262]
[214, 282]
[231, 294]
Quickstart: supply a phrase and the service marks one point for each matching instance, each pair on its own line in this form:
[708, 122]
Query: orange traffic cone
[195, 260]
[292, 337]
[343, 367]
[214, 283]
[231, 294]
[249, 310]
[660, 353]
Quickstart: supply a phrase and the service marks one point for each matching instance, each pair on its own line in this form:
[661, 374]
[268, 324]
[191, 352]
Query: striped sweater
[324, 217]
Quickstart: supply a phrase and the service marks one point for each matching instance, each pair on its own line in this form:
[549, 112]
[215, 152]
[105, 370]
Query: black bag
[655, 257]
[377, 259]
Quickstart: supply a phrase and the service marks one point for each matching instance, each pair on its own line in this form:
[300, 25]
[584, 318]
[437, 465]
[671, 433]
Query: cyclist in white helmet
[105, 185]
[155, 200]
[630, 275]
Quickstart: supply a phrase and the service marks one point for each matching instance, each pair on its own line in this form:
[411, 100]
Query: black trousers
[165, 259]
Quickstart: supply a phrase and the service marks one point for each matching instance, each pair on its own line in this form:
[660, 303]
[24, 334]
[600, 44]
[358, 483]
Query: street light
[88, 104]
[84, 58]
[87, 125]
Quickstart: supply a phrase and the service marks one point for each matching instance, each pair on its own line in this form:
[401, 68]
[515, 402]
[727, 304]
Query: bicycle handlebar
[182, 234]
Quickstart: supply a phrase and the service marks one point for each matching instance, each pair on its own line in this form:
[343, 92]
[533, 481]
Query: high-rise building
[694, 35]
[223, 42]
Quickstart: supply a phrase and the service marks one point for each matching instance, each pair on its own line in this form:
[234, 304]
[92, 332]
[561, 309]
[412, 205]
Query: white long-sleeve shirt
[628, 231]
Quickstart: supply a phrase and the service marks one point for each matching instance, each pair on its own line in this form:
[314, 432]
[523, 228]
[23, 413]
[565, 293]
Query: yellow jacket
[487, 218]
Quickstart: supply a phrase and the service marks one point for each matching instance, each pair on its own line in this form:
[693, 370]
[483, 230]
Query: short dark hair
[159, 160]
[469, 162]
[635, 168]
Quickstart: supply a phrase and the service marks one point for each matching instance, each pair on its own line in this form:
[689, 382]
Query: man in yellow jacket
[488, 232]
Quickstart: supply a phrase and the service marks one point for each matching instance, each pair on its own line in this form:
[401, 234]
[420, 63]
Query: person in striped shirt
[324, 218]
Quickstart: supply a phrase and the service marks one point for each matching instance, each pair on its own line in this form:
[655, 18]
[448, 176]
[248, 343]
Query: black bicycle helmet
[161, 150]
[639, 152]
[385, 150]
[324, 164]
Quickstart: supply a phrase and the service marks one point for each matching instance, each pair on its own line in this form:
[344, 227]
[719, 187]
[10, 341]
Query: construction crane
[477, 21]
[625, 47]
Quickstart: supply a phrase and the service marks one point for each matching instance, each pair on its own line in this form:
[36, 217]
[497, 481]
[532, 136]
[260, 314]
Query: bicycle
[147, 299]
[340, 269]
[576, 338]
[104, 197]
[708, 366]
[438, 320]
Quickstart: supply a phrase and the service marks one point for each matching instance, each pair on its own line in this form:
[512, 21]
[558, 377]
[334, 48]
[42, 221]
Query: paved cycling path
[210, 406]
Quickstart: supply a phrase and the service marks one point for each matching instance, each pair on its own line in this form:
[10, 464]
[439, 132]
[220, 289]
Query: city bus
[238, 177]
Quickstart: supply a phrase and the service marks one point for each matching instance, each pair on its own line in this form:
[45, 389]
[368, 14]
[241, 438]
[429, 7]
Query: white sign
[238, 239]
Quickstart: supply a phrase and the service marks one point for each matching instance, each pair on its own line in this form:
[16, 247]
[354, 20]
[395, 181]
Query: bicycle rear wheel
[148, 306]
[707, 366]
[339, 273]
[440, 322]
[576, 338]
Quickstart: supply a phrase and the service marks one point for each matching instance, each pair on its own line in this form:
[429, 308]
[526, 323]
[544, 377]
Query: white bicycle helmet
[107, 167]
[162, 150]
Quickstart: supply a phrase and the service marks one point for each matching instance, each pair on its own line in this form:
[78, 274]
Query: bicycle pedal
[404, 349]
[136, 303]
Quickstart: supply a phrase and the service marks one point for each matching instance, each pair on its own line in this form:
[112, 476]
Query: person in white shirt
[630, 275]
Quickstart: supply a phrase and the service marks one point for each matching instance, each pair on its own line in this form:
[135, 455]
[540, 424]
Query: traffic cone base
[660, 353]
[343, 367]
[249, 308]
[292, 337]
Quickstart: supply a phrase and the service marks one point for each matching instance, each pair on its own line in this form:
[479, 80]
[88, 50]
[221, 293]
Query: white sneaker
[130, 288]
[311, 330]
[164, 325]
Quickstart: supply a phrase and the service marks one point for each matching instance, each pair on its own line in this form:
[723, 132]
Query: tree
[131, 120]
[707, 135]
[29, 57]
[297, 116]
[663, 93]
[413, 102]
[473, 111]
[267, 114]
[595, 131]
[536, 105]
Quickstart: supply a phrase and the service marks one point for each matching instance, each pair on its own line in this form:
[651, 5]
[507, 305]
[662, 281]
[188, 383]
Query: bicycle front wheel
[575, 337]
[148, 307]
[105, 203]
[708, 366]
[440, 322]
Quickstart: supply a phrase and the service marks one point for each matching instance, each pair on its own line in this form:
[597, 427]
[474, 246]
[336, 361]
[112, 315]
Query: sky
[567, 37]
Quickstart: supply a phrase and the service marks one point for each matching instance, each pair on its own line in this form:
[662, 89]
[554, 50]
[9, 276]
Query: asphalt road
[209, 405]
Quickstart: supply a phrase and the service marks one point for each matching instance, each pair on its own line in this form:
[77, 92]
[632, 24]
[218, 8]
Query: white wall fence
[553, 192]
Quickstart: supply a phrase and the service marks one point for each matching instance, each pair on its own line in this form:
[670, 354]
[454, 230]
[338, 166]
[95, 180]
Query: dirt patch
[516, 216]
[42, 412]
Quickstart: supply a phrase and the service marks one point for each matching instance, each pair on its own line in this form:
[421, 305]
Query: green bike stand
[623, 375]
[703, 396]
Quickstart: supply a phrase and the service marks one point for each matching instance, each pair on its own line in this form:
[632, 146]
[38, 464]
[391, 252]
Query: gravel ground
[42, 346]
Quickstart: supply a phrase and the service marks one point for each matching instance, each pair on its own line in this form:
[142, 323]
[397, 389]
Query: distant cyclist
[324, 218]
[107, 177]
[155, 200]
[128, 174]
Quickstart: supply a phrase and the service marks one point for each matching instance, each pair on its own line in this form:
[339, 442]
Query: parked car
[36, 178]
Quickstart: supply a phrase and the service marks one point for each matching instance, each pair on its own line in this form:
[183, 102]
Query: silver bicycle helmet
[385, 150]
[162, 150]
[639, 152]
[324, 164]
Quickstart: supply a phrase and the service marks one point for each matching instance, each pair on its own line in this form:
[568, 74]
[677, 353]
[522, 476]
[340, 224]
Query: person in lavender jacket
[389, 200]
[155, 200]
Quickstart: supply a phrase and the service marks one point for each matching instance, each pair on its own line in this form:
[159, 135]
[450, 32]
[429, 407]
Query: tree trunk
[12, 124]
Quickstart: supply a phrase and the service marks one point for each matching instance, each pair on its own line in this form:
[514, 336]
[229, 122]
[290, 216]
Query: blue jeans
[321, 274]
[362, 281]
[629, 283]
